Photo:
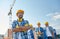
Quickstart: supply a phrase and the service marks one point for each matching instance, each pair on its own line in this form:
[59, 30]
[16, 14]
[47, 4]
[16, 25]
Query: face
[20, 15]
[38, 25]
[30, 26]
[46, 25]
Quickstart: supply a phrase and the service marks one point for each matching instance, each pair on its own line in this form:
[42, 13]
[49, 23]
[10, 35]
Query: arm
[15, 27]
[51, 30]
[35, 36]
[21, 29]
[41, 31]
[26, 25]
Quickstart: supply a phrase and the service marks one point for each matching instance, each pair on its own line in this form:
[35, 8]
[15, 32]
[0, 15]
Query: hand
[39, 33]
[17, 27]
[52, 35]
[26, 25]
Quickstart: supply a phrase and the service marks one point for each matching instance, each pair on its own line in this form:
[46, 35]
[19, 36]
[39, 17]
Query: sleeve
[26, 23]
[13, 24]
[36, 29]
[51, 29]
[42, 30]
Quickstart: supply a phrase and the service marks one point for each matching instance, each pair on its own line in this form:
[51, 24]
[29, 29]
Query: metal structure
[10, 20]
[10, 13]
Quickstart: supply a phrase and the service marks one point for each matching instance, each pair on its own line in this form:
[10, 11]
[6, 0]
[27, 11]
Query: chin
[20, 17]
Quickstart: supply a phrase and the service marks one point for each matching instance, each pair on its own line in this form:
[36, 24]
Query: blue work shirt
[30, 34]
[50, 29]
[19, 35]
[41, 30]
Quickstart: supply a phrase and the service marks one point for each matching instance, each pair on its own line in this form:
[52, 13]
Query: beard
[20, 16]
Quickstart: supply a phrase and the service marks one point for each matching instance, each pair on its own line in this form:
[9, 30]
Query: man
[39, 31]
[31, 32]
[20, 23]
[49, 31]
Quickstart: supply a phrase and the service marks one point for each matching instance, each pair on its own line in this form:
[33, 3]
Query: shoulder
[15, 21]
[50, 27]
[26, 21]
[36, 29]
[41, 27]
[44, 28]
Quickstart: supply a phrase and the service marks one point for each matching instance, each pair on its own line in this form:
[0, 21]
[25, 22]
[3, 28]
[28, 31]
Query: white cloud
[48, 14]
[54, 16]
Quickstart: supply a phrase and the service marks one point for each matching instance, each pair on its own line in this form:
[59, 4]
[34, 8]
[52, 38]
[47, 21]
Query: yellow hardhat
[20, 11]
[46, 23]
[38, 23]
[30, 25]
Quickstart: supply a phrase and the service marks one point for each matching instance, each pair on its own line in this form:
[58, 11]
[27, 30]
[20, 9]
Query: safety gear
[38, 23]
[46, 23]
[20, 20]
[30, 25]
[20, 11]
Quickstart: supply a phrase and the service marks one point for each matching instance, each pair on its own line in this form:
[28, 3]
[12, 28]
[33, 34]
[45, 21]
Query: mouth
[20, 16]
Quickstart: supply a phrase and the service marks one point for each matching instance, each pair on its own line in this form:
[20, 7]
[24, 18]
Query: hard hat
[20, 11]
[46, 23]
[38, 23]
[30, 25]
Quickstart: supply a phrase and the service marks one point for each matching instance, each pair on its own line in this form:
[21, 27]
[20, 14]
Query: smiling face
[20, 15]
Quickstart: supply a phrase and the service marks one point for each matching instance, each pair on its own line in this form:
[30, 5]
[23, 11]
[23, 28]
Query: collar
[20, 20]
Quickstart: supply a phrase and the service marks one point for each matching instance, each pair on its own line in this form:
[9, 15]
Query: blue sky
[35, 10]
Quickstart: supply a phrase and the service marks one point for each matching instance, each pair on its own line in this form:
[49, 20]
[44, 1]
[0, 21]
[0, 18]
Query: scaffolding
[10, 21]
[10, 13]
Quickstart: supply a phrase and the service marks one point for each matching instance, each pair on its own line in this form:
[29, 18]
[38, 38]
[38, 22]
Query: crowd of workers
[31, 33]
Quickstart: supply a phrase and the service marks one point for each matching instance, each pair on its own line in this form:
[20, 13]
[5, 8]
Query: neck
[38, 26]
[46, 26]
[19, 19]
